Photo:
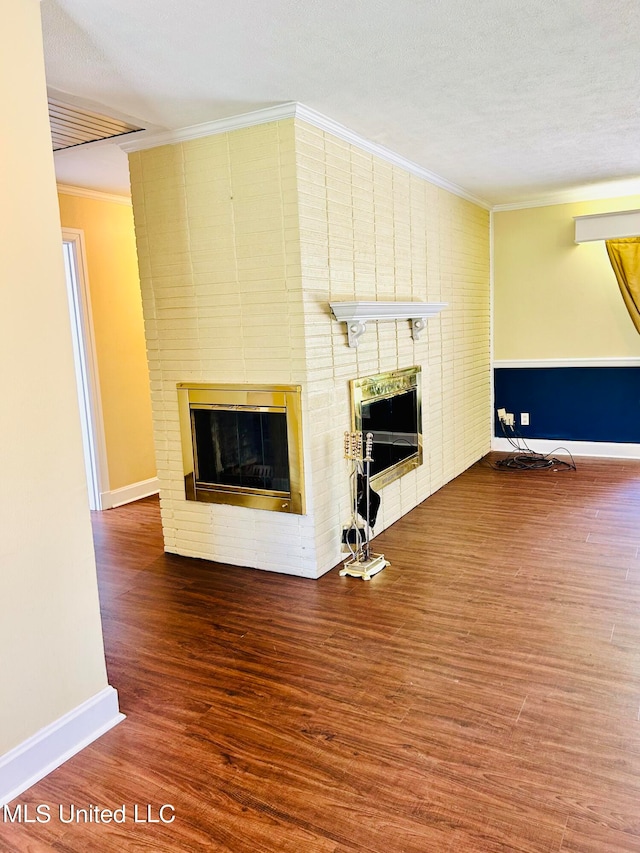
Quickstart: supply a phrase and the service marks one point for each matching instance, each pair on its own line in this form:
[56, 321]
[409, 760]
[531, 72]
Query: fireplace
[242, 445]
[389, 406]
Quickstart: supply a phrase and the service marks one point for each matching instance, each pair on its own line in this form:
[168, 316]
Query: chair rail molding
[356, 315]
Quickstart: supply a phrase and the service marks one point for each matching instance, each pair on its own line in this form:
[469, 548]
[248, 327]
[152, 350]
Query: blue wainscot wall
[582, 403]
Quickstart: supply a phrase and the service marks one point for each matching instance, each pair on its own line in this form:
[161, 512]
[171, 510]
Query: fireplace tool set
[362, 563]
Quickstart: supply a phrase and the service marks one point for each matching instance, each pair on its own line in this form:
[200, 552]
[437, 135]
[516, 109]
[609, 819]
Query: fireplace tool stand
[362, 563]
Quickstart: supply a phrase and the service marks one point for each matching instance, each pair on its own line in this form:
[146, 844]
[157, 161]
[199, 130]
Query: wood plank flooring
[481, 694]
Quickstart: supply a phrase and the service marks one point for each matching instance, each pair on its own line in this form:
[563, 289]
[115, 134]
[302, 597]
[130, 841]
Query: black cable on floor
[525, 459]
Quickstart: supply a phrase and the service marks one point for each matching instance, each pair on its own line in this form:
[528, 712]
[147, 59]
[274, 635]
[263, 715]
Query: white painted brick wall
[243, 239]
[369, 231]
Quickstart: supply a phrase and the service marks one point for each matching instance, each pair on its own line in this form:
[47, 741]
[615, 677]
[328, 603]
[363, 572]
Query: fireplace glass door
[393, 421]
[242, 445]
[389, 406]
[241, 449]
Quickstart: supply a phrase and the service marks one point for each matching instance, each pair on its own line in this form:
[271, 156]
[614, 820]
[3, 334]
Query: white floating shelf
[357, 314]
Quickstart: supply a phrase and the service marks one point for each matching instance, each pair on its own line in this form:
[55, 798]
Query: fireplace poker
[367, 474]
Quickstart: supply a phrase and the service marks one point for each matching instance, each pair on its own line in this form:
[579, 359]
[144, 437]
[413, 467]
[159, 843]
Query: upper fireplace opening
[389, 406]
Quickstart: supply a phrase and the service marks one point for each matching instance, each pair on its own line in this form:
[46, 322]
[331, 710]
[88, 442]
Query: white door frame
[84, 353]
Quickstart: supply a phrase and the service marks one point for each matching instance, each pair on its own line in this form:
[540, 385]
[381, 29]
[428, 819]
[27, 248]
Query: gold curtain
[624, 254]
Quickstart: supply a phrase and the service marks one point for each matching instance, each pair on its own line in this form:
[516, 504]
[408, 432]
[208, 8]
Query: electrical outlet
[507, 418]
[524, 418]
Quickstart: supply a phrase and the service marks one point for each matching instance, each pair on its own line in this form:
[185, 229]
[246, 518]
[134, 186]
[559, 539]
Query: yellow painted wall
[51, 653]
[119, 334]
[553, 298]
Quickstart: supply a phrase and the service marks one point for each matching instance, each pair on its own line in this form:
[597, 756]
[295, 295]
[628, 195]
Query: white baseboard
[127, 494]
[39, 755]
[606, 449]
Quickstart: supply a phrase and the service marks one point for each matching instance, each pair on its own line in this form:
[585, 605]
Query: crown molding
[327, 124]
[293, 109]
[612, 189]
[97, 195]
[210, 128]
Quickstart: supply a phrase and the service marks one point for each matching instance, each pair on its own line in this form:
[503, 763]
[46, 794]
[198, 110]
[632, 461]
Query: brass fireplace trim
[266, 398]
[379, 387]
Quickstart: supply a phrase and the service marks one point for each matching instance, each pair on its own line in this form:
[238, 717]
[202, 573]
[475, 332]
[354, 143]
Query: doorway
[84, 355]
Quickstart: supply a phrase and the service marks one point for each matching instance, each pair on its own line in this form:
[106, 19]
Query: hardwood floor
[481, 694]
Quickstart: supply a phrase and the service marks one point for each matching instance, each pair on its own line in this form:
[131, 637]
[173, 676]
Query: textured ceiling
[510, 100]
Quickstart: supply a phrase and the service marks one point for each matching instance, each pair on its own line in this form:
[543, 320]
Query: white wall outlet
[524, 418]
[507, 418]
